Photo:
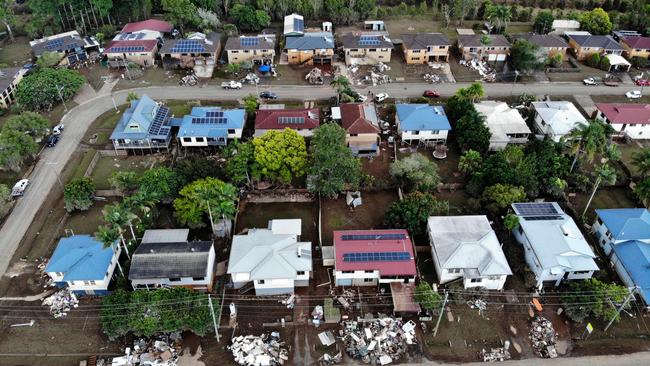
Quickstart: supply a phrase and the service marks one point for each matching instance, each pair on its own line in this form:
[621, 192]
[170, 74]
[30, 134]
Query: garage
[492, 57]
[501, 57]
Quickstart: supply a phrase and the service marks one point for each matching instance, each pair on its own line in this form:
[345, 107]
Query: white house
[210, 126]
[618, 225]
[554, 247]
[165, 258]
[556, 119]
[466, 247]
[272, 259]
[422, 123]
[82, 264]
[560, 26]
[506, 124]
[628, 119]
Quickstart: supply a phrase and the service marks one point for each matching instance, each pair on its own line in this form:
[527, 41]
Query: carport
[617, 63]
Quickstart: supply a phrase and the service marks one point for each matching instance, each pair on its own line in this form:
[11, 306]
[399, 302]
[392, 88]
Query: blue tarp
[265, 68]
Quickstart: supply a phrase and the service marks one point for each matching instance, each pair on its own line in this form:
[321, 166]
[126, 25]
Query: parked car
[231, 85]
[633, 94]
[431, 94]
[381, 97]
[590, 81]
[642, 82]
[268, 95]
[19, 188]
[58, 129]
[52, 140]
[361, 98]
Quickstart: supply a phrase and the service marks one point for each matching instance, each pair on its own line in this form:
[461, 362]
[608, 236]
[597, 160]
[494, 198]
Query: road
[632, 359]
[44, 177]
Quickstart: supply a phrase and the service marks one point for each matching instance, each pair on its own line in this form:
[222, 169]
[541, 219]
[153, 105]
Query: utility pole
[114, 104]
[214, 319]
[618, 312]
[442, 308]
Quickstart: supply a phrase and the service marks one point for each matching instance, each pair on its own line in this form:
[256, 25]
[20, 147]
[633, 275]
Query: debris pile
[431, 78]
[376, 78]
[61, 303]
[487, 72]
[189, 80]
[263, 350]
[250, 78]
[382, 67]
[543, 337]
[479, 304]
[161, 351]
[315, 76]
[328, 360]
[346, 299]
[380, 341]
[499, 354]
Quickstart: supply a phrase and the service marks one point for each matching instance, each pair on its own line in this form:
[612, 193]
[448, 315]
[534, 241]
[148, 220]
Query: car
[52, 140]
[268, 95]
[58, 129]
[19, 188]
[590, 81]
[642, 82]
[361, 98]
[633, 94]
[381, 97]
[231, 85]
[431, 94]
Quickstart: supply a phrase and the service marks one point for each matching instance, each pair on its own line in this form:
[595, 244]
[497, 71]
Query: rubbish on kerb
[265, 350]
[61, 303]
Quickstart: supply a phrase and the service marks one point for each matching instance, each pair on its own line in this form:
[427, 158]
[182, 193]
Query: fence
[280, 195]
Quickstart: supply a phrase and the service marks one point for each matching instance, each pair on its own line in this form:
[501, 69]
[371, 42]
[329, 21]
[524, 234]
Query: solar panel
[348, 237]
[157, 127]
[377, 257]
[127, 49]
[214, 114]
[188, 46]
[249, 41]
[369, 41]
[209, 120]
[54, 44]
[291, 120]
[542, 218]
[535, 209]
[298, 25]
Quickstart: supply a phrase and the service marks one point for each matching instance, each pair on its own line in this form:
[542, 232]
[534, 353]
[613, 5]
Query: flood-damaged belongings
[61, 303]
[265, 350]
[379, 341]
[159, 351]
[543, 337]
[498, 354]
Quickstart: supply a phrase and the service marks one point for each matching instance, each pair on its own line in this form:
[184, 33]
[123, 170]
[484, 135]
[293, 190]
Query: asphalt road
[52, 161]
[632, 359]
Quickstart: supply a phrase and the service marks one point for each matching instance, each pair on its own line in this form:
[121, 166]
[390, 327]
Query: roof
[561, 116]
[566, 24]
[279, 119]
[467, 242]
[200, 43]
[366, 40]
[211, 122]
[310, 41]
[615, 60]
[80, 258]
[501, 119]
[629, 113]
[544, 40]
[170, 260]
[143, 119]
[165, 235]
[286, 226]
[265, 255]
[150, 24]
[423, 40]
[260, 42]
[7, 76]
[367, 242]
[474, 40]
[635, 258]
[637, 42]
[294, 24]
[61, 42]
[359, 118]
[596, 41]
[130, 46]
[626, 223]
[403, 295]
[422, 117]
[554, 237]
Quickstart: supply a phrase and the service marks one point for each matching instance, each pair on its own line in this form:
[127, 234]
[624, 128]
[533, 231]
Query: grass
[607, 197]
[619, 96]
[17, 53]
[108, 164]
[627, 151]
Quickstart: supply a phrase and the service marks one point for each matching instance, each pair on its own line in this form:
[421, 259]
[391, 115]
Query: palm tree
[472, 93]
[108, 236]
[339, 83]
[118, 215]
[641, 161]
[499, 15]
[233, 68]
[642, 190]
[604, 174]
[220, 207]
[590, 138]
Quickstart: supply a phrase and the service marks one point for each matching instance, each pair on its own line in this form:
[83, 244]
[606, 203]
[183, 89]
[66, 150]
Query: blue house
[144, 125]
[618, 225]
[422, 123]
[210, 126]
[83, 264]
[631, 260]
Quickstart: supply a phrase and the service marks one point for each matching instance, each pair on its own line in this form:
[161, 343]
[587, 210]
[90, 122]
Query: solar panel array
[188, 46]
[214, 114]
[132, 36]
[376, 257]
[348, 237]
[127, 49]
[157, 127]
[59, 44]
[536, 209]
[209, 120]
[298, 25]
[369, 41]
[291, 120]
[249, 41]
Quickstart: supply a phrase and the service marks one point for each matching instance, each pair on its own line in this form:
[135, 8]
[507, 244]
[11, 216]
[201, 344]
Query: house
[258, 49]
[303, 121]
[425, 47]
[620, 35]
[152, 28]
[272, 259]
[506, 124]
[144, 125]
[294, 25]
[631, 260]
[83, 264]
[628, 119]
[466, 247]
[583, 46]
[615, 226]
[372, 257]
[361, 124]
[422, 123]
[196, 50]
[70, 47]
[367, 48]
[139, 51]
[165, 258]
[554, 247]
[310, 48]
[549, 44]
[556, 119]
[560, 26]
[474, 46]
[10, 77]
[636, 47]
[210, 126]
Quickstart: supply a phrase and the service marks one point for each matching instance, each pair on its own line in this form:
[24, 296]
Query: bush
[594, 60]
[78, 194]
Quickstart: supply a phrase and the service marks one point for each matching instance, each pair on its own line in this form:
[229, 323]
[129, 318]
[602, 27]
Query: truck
[231, 85]
[19, 188]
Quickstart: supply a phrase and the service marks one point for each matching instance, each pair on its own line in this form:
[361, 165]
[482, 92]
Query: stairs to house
[247, 287]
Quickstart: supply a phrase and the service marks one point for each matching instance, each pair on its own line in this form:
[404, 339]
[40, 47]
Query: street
[632, 359]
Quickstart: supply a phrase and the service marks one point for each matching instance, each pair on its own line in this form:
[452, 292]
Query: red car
[431, 94]
[642, 82]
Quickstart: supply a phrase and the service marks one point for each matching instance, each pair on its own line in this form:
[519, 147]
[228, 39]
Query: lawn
[627, 151]
[609, 197]
[154, 77]
[258, 215]
[585, 72]
[17, 53]
[619, 96]
[108, 164]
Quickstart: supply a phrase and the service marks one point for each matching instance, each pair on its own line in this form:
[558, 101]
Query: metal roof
[165, 235]
[422, 117]
[596, 41]
[561, 116]
[170, 260]
[211, 122]
[627, 223]
[145, 118]
[80, 258]
[260, 42]
[501, 119]
[366, 40]
[635, 258]
[310, 41]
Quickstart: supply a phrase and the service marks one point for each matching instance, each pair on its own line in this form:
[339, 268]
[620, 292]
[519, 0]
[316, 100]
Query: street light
[51, 163]
[59, 89]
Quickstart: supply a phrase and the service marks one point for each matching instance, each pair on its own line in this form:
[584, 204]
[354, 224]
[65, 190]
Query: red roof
[267, 119]
[628, 113]
[148, 44]
[151, 24]
[374, 245]
[638, 42]
[354, 119]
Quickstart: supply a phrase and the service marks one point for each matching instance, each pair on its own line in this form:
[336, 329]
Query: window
[494, 278]
[442, 47]
[200, 139]
[521, 230]
[580, 272]
[300, 273]
[415, 133]
[260, 282]
[416, 51]
[380, 56]
[187, 139]
[231, 131]
[368, 280]
[175, 279]
[348, 271]
[368, 271]
[354, 50]
[372, 50]
[354, 134]
[476, 280]
[198, 278]
[60, 274]
[454, 270]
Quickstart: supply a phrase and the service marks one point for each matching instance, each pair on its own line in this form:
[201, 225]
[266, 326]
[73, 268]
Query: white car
[381, 97]
[634, 94]
[58, 129]
[361, 98]
[19, 188]
[589, 81]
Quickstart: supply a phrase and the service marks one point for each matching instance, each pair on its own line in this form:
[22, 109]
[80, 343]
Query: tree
[280, 156]
[131, 96]
[180, 12]
[641, 161]
[642, 190]
[78, 194]
[239, 160]
[589, 138]
[45, 88]
[5, 200]
[544, 22]
[461, 8]
[472, 133]
[526, 57]
[500, 196]
[207, 19]
[48, 59]
[205, 196]
[473, 93]
[230, 30]
[415, 173]
[332, 167]
[15, 146]
[249, 18]
[160, 184]
[233, 68]
[596, 21]
[592, 297]
[124, 181]
[426, 297]
[456, 107]
[7, 16]
[340, 83]
[193, 167]
[29, 123]
[250, 104]
[117, 216]
[413, 211]
[594, 60]
[511, 222]
[470, 162]
[499, 15]
[604, 175]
